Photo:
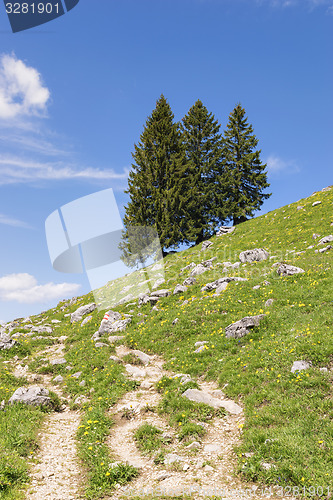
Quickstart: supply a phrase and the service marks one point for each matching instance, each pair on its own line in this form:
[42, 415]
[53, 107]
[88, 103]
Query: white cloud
[311, 4]
[14, 169]
[21, 89]
[276, 165]
[10, 221]
[23, 288]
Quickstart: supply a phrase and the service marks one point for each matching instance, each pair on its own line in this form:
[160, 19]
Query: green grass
[148, 438]
[288, 417]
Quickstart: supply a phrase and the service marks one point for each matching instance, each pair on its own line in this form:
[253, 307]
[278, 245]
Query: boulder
[82, 311]
[33, 395]
[184, 377]
[300, 365]
[205, 245]
[199, 269]
[254, 255]
[58, 379]
[59, 361]
[179, 289]
[115, 338]
[142, 356]
[86, 320]
[204, 397]
[242, 327]
[315, 203]
[158, 283]
[112, 322]
[115, 359]
[217, 283]
[160, 293]
[143, 299]
[200, 349]
[6, 342]
[288, 270]
[189, 281]
[42, 329]
[325, 249]
[188, 267]
[326, 239]
[125, 299]
[225, 230]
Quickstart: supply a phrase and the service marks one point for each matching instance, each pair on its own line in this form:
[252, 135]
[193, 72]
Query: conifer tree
[244, 176]
[158, 183]
[203, 148]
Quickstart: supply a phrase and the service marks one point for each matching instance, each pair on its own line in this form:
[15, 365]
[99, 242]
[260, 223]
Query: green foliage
[191, 430]
[244, 176]
[158, 185]
[203, 148]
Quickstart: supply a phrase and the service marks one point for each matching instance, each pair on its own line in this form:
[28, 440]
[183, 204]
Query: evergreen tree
[158, 182]
[244, 176]
[203, 148]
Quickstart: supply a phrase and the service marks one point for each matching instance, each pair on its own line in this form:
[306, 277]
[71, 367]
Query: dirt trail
[206, 471]
[55, 471]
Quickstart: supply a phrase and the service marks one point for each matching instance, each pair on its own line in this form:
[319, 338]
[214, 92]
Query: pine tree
[158, 182]
[203, 148]
[244, 176]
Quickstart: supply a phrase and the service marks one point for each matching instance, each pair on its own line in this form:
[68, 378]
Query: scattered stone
[322, 250]
[42, 329]
[81, 400]
[255, 255]
[162, 477]
[171, 458]
[186, 467]
[205, 245]
[288, 270]
[267, 466]
[256, 287]
[157, 267]
[189, 281]
[110, 326]
[269, 302]
[146, 385]
[179, 289]
[193, 446]
[199, 269]
[175, 321]
[208, 468]
[6, 342]
[135, 371]
[300, 365]
[101, 344]
[315, 203]
[58, 379]
[86, 320]
[115, 338]
[212, 448]
[201, 342]
[160, 293]
[77, 375]
[200, 349]
[158, 283]
[115, 359]
[54, 321]
[187, 268]
[204, 397]
[142, 356]
[225, 230]
[33, 395]
[82, 383]
[323, 369]
[326, 239]
[59, 361]
[315, 236]
[221, 282]
[184, 378]
[241, 328]
[82, 311]
[300, 207]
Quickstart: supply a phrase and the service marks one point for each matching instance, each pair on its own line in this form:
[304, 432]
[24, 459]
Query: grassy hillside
[289, 416]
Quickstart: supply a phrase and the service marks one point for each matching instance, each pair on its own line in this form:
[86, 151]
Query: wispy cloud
[21, 89]
[10, 221]
[18, 170]
[308, 4]
[24, 289]
[276, 165]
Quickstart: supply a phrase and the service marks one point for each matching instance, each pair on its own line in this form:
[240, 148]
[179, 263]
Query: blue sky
[75, 94]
